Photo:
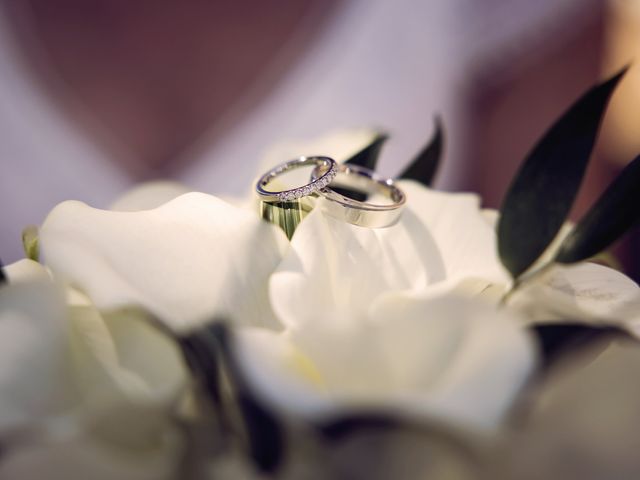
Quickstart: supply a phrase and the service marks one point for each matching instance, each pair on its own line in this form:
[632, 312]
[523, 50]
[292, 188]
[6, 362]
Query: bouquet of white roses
[180, 335]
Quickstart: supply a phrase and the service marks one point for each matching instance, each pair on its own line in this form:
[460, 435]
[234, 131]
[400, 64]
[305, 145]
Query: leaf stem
[522, 279]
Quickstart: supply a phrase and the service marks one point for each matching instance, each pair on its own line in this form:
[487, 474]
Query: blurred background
[97, 95]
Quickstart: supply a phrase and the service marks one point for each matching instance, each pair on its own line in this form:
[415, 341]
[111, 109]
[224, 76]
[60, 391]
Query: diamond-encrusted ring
[364, 214]
[325, 167]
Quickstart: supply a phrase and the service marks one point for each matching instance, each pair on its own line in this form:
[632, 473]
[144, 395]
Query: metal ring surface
[364, 214]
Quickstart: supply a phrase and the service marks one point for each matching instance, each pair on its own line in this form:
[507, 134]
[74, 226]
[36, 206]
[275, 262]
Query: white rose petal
[120, 357]
[33, 354]
[149, 195]
[449, 357]
[79, 392]
[458, 232]
[26, 270]
[479, 357]
[187, 261]
[337, 269]
[441, 243]
[93, 360]
[585, 291]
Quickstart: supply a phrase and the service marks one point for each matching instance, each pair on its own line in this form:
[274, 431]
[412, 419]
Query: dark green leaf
[424, 167]
[341, 427]
[210, 350]
[350, 193]
[558, 339]
[615, 212]
[368, 156]
[265, 433]
[542, 192]
[201, 354]
[31, 242]
[386, 445]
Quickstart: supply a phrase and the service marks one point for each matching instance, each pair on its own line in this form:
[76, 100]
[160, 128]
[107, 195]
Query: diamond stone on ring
[325, 167]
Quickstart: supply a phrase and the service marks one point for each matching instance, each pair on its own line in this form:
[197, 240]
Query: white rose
[197, 257]
[366, 325]
[80, 391]
[448, 358]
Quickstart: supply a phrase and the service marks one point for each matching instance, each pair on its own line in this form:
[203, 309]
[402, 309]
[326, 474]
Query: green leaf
[336, 428]
[200, 351]
[557, 340]
[615, 212]
[368, 156]
[209, 352]
[542, 192]
[361, 443]
[30, 242]
[264, 430]
[424, 167]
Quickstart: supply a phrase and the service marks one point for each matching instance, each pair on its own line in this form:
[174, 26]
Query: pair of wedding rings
[327, 173]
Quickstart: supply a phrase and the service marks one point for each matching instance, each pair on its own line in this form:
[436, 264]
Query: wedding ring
[364, 214]
[325, 170]
[287, 208]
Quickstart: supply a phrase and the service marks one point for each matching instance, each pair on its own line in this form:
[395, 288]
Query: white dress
[387, 64]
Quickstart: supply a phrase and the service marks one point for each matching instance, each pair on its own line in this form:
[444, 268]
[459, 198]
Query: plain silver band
[363, 214]
[326, 165]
